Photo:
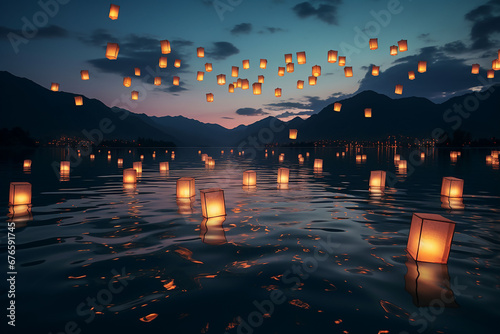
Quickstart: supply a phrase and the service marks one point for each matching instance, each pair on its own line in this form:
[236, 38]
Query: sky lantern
[403, 45]
[208, 67]
[281, 71]
[312, 81]
[475, 69]
[113, 11]
[393, 50]
[249, 178]
[135, 95]
[260, 79]
[246, 64]
[342, 60]
[301, 58]
[78, 101]
[157, 81]
[200, 52]
[234, 71]
[127, 81]
[293, 134]
[238, 83]
[318, 164]
[411, 75]
[263, 63]
[283, 175]
[452, 187]
[288, 58]
[245, 84]
[399, 89]
[54, 87]
[491, 74]
[176, 81]
[277, 92]
[316, 70]
[177, 63]
[200, 75]
[165, 47]
[137, 165]
[210, 97]
[375, 70]
[20, 193]
[368, 112]
[257, 88]
[212, 202]
[164, 166]
[430, 238]
[348, 71]
[185, 187]
[300, 84]
[290, 67]
[337, 106]
[84, 74]
[162, 62]
[422, 66]
[377, 181]
[112, 50]
[332, 56]
[373, 44]
[230, 88]
[137, 72]
[221, 79]
[495, 64]
[129, 176]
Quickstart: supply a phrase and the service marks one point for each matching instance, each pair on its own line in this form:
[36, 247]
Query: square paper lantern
[208, 67]
[375, 70]
[318, 163]
[234, 71]
[337, 106]
[246, 64]
[177, 63]
[112, 50]
[283, 175]
[290, 67]
[212, 202]
[402, 164]
[257, 88]
[113, 11]
[368, 112]
[300, 84]
[288, 58]
[422, 66]
[127, 81]
[348, 72]
[165, 47]
[210, 97]
[157, 81]
[27, 164]
[342, 60]
[263, 63]
[249, 178]
[204, 157]
[411, 75]
[230, 88]
[399, 89]
[20, 193]
[185, 187]
[293, 134]
[373, 44]
[394, 50]
[430, 238]
[495, 64]
[403, 45]
[164, 167]
[120, 162]
[129, 176]
[301, 58]
[84, 74]
[377, 181]
[490, 74]
[475, 69]
[200, 52]
[138, 167]
[316, 70]
[452, 187]
[221, 79]
[65, 167]
[277, 92]
[332, 56]
[245, 84]
[312, 81]
[176, 81]
[78, 101]
[137, 72]
[281, 71]
[135, 95]
[54, 87]
[162, 63]
[260, 79]
[199, 75]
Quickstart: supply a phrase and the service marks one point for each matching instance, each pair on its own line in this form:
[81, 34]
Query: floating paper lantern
[399, 89]
[281, 158]
[234, 71]
[430, 238]
[212, 202]
[312, 81]
[375, 70]
[164, 166]
[64, 167]
[422, 66]
[368, 112]
[120, 163]
[221, 79]
[249, 178]
[208, 67]
[337, 106]
[78, 101]
[348, 71]
[342, 60]
[301, 58]
[277, 92]
[411, 75]
[20, 193]
[127, 81]
[332, 56]
[212, 231]
[475, 69]
[177, 63]
[200, 75]
[200, 52]
[300, 84]
[27, 164]
[135, 95]
[112, 50]
[403, 45]
[257, 88]
[246, 64]
[163, 62]
[316, 70]
[210, 163]
[377, 181]
[210, 97]
[281, 71]
[422, 155]
[260, 79]
[394, 50]
[130, 176]
[138, 167]
[452, 187]
[165, 47]
[318, 163]
[293, 134]
[490, 74]
[263, 63]
[230, 88]
[495, 64]
[288, 58]
[54, 87]
[84, 74]
[157, 81]
[92, 157]
[137, 72]
[204, 157]
[176, 81]
[397, 157]
[245, 84]
[402, 165]
[113, 11]
[373, 44]
[290, 67]
[185, 187]
[283, 175]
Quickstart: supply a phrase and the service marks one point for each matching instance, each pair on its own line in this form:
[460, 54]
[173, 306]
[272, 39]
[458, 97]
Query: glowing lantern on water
[185, 187]
[138, 167]
[245, 84]
[300, 84]
[212, 202]
[290, 67]
[260, 79]
[204, 157]
[368, 112]
[342, 61]
[129, 175]
[475, 69]
[212, 231]
[249, 178]
[78, 101]
[263, 63]
[316, 70]
[64, 167]
[277, 92]
[221, 79]
[422, 155]
[200, 52]
[113, 11]
[377, 181]
[394, 50]
[373, 44]
[84, 74]
[135, 95]
[288, 58]
[137, 71]
[246, 64]
[176, 81]
[177, 63]
[495, 64]
[293, 134]
[208, 67]
[411, 75]
[281, 71]
[430, 238]
[491, 74]
[332, 56]
[20, 193]
[337, 106]
[318, 163]
[375, 70]
[163, 167]
[230, 88]
[162, 62]
[200, 75]
[112, 50]
[397, 157]
[399, 89]
[283, 175]
[92, 156]
[234, 71]
[402, 165]
[210, 97]
[54, 87]
[257, 88]
[127, 81]
[403, 45]
[120, 163]
[27, 164]
[312, 81]
[348, 71]
[301, 58]
[165, 47]
[142, 157]
[452, 187]
[157, 81]
[422, 66]
[210, 163]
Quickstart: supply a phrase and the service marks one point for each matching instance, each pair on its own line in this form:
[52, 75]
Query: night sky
[449, 35]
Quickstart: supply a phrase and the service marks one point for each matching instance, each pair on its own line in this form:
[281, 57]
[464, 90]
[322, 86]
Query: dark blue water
[321, 256]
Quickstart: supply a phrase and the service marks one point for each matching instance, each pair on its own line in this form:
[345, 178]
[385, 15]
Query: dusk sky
[449, 35]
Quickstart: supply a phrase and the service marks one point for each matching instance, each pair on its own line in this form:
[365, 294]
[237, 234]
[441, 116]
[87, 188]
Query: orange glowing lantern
[200, 52]
[281, 71]
[316, 70]
[318, 163]
[288, 58]
[402, 164]
[263, 63]
[277, 92]
[230, 88]
[138, 167]
[246, 64]
[397, 157]
[163, 62]
[238, 83]
[137, 72]
[368, 112]
[301, 58]
[495, 64]
[399, 89]
[64, 168]
[127, 81]
[221, 79]
[113, 11]
[164, 166]
[491, 74]
[204, 157]
[78, 101]
[165, 47]
[210, 97]
[411, 75]
[245, 84]
[375, 70]
[212, 231]
[208, 67]
[84, 74]
[200, 75]
[135, 95]
[249, 178]
[377, 181]
[54, 87]
[283, 175]
[312, 81]
[177, 63]
[422, 66]
[290, 67]
[129, 176]
[260, 79]
[185, 187]
[300, 84]
[394, 50]
[342, 60]
[212, 202]
[112, 50]
[234, 71]
[373, 44]
[430, 238]
[452, 187]
[337, 106]
[27, 164]
[176, 81]
[475, 69]
[332, 56]
[157, 81]
[20, 193]
[348, 71]
[92, 157]
[403, 45]
[293, 134]
[257, 88]
[210, 163]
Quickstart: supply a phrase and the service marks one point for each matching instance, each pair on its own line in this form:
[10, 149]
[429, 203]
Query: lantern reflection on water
[212, 231]
[185, 205]
[212, 202]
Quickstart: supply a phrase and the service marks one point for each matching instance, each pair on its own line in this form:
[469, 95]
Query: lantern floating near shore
[402, 165]
[452, 187]
[138, 167]
[114, 10]
[368, 112]
[373, 44]
[127, 81]
[112, 50]
[399, 89]
[301, 58]
[165, 47]
[64, 168]
[377, 181]
[210, 97]
[246, 64]
[20, 193]
[277, 92]
[337, 106]
[318, 165]
[293, 133]
[130, 176]
[430, 238]
[283, 175]
[164, 167]
[84, 74]
[78, 101]
[200, 52]
[185, 187]
[375, 70]
[120, 163]
[249, 178]
[54, 87]
[332, 56]
[27, 166]
[422, 66]
[212, 202]
[475, 69]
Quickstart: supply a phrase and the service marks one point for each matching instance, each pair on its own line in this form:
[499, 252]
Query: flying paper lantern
[337, 106]
[221, 79]
[112, 50]
[20, 193]
[312, 81]
[316, 70]
[185, 187]
[137, 72]
[234, 71]
[301, 58]
[113, 11]
[430, 238]
[246, 64]
[129, 176]
[212, 231]
[422, 66]
[165, 47]
[411, 75]
[127, 81]
[210, 97]
[399, 89]
[495, 65]
[342, 60]
[394, 50]
[475, 69]
[293, 134]
[283, 175]
[135, 95]
[84, 74]
[281, 71]
[348, 71]
[212, 202]
[177, 63]
[375, 70]
[263, 63]
[452, 187]
[245, 84]
[163, 62]
[300, 84]
[403, 45]
[373, 44]
[157, 81]
[200, 52]
[54, 87]
[368, 112]
[260, 79]
[290, 67]
[288, 58]
[377, 181]
[176, 81]
[249, 178]
[200, 75]
[230, 88]
[78, 101]
[318, 163]
[491, 74]
[277, 92]
[257, 88]
[332, 56]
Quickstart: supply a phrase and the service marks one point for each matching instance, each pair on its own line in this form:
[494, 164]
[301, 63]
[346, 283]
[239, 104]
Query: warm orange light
[293, 133]
[200, 75]
[348, 71]
[281, 71]
[185, 187]
[245, 84]
[221, 79]
[20, 193]
[64, 167]
[318, 163]
[300, 84]
[277, 92]
[129, 176]
[135, 95]
[249, 178]
[84, 74]
[403, 45]
[204, 157]
[475, 69]
[164, 166]
[316, 70]
[397, 157]
[422, 155]
[200, 52]
[422, 66]
[257, 88]
[337, 106]
[411, 75]
[210, 97]
[113, 11]
[368, 112]
[112, 50]
[452, 187]
[210, 163]
[263, 63]
[157, 81]
[165, 47]
[283, 175]
[290, 67]
[137, 72]
[332, 56]
[27, 164]
[377, 181]
[176, 81]
[288, 58]
[260, 79]
[402, 165]
[120, 162]
[399, 89]
[342, 60]
[138, 167]
[212, 231]
[375, 70]
[212, 202]
[78, 101]
[373, 44]
[54, 87]
[230, 88]
[162, 63]
[301, 58]
[92, 156]
[430, 238]
[246, 64]
[127, 81]
[234, 71]
[491, 74]
[394, 50]
[312, 81]
[495, 64]
[208, 67]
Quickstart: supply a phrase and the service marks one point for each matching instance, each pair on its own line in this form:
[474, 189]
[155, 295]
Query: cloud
[222, 50]
[52, 31]
[251, 112]
[271, 30]
[426, 38]
[310, 106]
[326, 11]
[291, 114]
[242, 28]
[485, 23]
[226, 117]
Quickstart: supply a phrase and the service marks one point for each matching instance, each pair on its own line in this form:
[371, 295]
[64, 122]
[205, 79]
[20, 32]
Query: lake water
[322, 255]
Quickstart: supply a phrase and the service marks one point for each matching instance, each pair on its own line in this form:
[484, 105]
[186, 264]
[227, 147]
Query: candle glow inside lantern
[290, 67]
[373, 44]
[212, 202]
[263, 63]
[402, 164]
[210, 97]
[368, 112]
[230, 88]
[157, 81]
[293, 133]
[177, 63]
[348, 71]
[411, 75]
[312, 80]
[377, 181]
[129, 176]
[221, 79]
[318, 165]
[430, 238]
[64, 168]
[137, 72]
[208, 67]
[495, 64]
[332, 56]
[452, 187]
[337, 106]
[316, 70]
[135, 95]
[300, 84]
[475, 69]
[27, 164]
[246, 64]
[185, 187]
[210, 163]
[165, 47]
[375, 70]
[212, 231]
[342, 60]
[257, 88]
[260, 79]
[394, 50]
[162, 63]
[301, 58]
[138, 167]
[245, 84]
[283, 175]
[249, 178]
[403, 45]
[120, 162]
[20, 193]
[176, 81]
[78, 101]
[277, 92]
[490, 74]
[113, 11]
[164, 167]
[54, 87]
[399, 89]
[281, 71]
[112, 50]
[199, 75]
[127, 81]
[234, 71]
[200, 52]
[422, 66]
[84, 74]
[288, 58]
[204, 157]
